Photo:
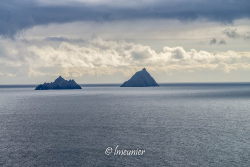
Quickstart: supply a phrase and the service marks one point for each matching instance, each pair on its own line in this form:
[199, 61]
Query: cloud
[7, 74]
[247, 35]
[63, 39]
[234, 34]
[231, 33]
[17, 15]
[215, 41]
[222, 42]
[98, 56]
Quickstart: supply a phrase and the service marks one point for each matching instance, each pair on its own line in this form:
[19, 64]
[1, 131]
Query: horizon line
[117, 84]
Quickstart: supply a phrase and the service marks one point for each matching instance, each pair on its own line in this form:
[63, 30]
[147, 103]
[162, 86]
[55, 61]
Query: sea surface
[179, 125]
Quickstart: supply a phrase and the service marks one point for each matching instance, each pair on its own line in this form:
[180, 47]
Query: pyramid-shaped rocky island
[140, 79]
[59, 83]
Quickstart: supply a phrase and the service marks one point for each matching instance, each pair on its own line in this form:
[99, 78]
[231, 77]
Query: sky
[107, 41]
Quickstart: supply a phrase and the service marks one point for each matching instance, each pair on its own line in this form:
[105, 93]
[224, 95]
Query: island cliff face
[140, 79]
[59, 83]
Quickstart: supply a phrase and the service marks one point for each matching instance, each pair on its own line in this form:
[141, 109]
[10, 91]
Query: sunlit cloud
[108, 57]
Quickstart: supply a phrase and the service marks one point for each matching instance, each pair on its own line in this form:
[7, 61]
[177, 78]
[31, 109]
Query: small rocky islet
[59, 83]
[141, 79]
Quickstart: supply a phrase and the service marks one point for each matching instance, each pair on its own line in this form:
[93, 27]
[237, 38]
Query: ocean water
[176, 124]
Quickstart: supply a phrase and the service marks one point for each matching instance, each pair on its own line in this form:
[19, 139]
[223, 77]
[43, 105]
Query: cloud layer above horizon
[98, 56]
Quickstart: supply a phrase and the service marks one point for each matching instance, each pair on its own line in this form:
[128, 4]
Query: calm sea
[176, 124]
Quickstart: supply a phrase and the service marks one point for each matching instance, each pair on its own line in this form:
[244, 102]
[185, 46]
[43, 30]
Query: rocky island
[59, 83]
[140, 79]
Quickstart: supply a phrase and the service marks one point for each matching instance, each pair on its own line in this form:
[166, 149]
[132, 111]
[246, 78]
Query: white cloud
[98, 56]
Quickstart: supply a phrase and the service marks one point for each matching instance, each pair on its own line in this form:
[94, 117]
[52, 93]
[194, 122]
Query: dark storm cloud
[17, 15]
